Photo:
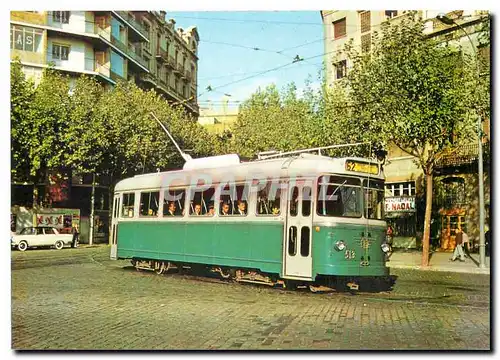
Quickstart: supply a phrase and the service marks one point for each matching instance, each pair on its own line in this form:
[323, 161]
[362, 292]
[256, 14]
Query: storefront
[451, 220]
[400, 213]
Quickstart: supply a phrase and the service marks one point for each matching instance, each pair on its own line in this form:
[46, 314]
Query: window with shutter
[365, 21]
[339, 28]
[366, 42]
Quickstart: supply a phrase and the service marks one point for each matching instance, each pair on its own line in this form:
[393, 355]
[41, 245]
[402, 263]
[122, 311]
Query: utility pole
[92, 205]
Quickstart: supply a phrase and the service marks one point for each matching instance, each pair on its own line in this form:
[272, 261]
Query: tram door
[114, 227]
[298, 235]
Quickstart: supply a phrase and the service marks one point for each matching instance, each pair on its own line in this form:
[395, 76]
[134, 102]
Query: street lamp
[482, 246]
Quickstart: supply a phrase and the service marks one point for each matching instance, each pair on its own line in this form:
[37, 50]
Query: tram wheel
[159, 268]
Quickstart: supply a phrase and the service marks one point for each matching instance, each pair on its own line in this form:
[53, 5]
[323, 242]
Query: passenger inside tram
[242, 208]
[197, 210]
[171, 209]
[225, 209]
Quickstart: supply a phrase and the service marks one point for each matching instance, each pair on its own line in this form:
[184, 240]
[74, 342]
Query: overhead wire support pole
[185, 156]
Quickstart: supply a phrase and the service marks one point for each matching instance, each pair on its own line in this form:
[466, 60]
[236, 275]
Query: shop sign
[401, 204]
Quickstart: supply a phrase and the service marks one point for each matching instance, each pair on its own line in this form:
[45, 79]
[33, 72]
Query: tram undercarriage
[321, 284]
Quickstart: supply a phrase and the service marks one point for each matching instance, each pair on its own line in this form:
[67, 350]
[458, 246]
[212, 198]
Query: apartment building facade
[111, 45]
[455, 197]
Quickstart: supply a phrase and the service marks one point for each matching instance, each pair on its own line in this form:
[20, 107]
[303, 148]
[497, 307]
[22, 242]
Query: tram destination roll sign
[400, 204]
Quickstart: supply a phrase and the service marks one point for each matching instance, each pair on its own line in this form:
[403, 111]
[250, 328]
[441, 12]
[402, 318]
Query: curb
[439, 268]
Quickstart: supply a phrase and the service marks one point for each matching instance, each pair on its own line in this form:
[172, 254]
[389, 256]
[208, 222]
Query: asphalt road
[79, 299]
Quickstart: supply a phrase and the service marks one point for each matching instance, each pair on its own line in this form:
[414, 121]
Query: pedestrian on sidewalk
[75, 232]
[459, 250]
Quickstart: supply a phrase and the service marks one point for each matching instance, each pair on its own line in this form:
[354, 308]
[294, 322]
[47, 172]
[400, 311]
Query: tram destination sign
[362, 167]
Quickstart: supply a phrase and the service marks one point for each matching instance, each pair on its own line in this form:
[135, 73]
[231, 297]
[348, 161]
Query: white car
[40, 236]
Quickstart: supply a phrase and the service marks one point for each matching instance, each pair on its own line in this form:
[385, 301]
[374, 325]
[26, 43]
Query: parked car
[42, 236]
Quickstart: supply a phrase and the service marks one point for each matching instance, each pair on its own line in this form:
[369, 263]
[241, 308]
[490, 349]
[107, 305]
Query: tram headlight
[385, 247]
[340, 245]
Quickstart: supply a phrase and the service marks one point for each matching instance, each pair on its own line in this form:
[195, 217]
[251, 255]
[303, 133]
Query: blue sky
[271, 31]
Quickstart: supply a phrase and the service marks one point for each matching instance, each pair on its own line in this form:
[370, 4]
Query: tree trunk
[427, 221]
[92, 205]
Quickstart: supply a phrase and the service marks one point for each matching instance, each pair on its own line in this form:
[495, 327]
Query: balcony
[170, 62]
[116, 77]
[128, 51]
[458, 156]
[133, 23]
[148, 78]
[161, 54]
[32, 17]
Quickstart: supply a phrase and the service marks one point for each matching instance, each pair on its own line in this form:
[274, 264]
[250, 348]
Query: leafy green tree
[21, 97]
[273, 120]
[38, 118]
[413, 92]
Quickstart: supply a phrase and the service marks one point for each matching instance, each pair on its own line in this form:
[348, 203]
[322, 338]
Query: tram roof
[303, 165]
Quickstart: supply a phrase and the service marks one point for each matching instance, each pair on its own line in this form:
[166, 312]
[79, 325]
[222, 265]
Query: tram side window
[173, 202]
[292, 241]
[268, 200]
[234, 200]
[149, 203]
[202, 202]
[339, 196]
[306, 201]
[294, 201]
[374, 199]
[128, 205]
[304, 241]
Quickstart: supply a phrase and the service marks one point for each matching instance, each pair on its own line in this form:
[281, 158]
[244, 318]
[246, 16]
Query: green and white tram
[301, 219]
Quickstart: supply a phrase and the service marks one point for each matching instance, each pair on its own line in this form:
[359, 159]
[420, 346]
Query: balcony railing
[116, 77]
[460, 155]
[127, 50]
[161, 54]
[171, 61]
[148, 77]
[135, 24]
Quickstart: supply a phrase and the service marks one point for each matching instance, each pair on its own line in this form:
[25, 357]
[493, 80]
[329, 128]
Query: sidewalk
[439, 261]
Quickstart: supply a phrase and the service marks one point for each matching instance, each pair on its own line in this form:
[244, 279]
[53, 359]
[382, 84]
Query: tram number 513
[350, 254]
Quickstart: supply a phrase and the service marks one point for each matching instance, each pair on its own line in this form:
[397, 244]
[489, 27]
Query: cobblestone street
[79, 299]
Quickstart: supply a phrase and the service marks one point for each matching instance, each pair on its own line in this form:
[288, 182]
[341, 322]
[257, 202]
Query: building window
[25, 38]
[339, 28]
[453, 192]
[389, 14]
[366, 43]
[341, 69]
[365, 21]
[400, 189]
[61, 17]
[60, 52]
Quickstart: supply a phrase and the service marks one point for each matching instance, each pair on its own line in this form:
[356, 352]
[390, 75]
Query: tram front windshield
[339, 196]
